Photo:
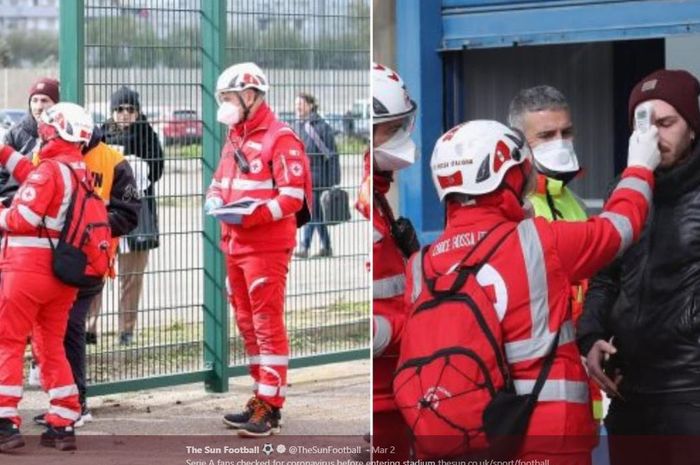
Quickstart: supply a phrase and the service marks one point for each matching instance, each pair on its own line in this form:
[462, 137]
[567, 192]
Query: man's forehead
[549, 119]
[663, 109]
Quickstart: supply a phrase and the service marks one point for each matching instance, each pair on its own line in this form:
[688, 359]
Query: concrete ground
[156, 426]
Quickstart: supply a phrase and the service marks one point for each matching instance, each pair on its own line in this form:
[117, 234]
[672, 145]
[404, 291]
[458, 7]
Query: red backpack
[82, 255]
[451, 364]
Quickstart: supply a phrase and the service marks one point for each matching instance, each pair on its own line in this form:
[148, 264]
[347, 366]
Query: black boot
[60, 437]
[10, 437]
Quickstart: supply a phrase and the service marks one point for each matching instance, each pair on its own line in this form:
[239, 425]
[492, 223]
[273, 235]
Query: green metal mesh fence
[155, 48]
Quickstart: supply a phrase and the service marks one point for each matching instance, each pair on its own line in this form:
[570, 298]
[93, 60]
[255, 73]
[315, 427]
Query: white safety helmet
[391, 102]
[242, 76]
[474, 157]
[72, 122]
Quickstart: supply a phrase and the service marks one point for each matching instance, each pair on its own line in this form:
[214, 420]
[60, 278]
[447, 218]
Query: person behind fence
[641, 312]
[32, 298]
[542, 113]
[130, 131]
[263, 165]
[23, 136]
[510, 277]
[321, 149]
[393, 114]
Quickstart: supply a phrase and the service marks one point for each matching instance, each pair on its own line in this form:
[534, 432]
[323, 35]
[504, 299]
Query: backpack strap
[544, 372]
[464, 271]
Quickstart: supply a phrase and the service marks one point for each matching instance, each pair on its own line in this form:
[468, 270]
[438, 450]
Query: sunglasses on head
[125, 108]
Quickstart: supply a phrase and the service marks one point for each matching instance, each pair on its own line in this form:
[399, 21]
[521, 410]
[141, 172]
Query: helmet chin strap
[246, 109]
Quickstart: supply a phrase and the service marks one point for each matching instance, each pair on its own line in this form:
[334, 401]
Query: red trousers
[256, 284]
[38, 304]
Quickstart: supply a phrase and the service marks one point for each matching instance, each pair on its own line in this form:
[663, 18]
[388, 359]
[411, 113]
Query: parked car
[359, 121]
[10, 116]
[181, 127]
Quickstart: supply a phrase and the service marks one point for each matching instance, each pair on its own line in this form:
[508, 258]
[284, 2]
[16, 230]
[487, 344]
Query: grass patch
[350, 145]
[178, 347]
[185, 151]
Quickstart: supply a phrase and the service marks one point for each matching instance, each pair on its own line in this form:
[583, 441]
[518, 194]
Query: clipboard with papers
[233, 213]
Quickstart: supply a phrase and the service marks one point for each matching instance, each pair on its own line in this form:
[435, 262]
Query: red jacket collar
[491, 208]
[260, 120]
[58, 147]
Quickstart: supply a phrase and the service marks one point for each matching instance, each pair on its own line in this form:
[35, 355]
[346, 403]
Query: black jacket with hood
[24, 138]
[649, 299]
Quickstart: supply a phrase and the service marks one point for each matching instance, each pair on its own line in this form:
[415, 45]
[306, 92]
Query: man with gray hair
[542, 114]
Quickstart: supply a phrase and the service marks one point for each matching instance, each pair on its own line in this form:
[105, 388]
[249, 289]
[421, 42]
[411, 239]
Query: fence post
[71, 51]
[216, 311]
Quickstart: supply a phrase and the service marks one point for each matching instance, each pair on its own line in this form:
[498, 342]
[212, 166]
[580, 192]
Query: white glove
[644, 149]
[212, 203]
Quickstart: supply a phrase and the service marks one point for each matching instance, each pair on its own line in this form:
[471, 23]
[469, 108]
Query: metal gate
[171, 53]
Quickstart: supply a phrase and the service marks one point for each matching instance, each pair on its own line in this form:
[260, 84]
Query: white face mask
[556, 156]
[228, 114]
[397, 153]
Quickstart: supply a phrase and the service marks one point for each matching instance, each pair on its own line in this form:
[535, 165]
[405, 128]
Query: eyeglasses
[125, 108]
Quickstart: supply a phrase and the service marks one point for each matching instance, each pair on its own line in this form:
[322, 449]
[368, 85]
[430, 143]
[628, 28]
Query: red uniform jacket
[529, 278]
[43, 197]
[280, 177]
[389, 309]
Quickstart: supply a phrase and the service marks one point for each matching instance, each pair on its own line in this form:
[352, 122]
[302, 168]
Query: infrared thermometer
[642, 116]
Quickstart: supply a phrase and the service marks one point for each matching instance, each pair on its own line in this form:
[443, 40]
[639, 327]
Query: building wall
[28, 15]
[583, 72]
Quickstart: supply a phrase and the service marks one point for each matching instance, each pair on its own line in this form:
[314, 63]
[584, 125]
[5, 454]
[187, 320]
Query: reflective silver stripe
[3, 218]
[296, 192]
[254, 360]
[77, 165]
[536, 277]
[29, 215]
[8, 412]
[555, 390]
[11, 391]
[536, 273]
[417, 273]
[527, 349]
[249, 185]
[382, 335]
[386, 288]
[256, 283]
[623, 226]
[376, 235]
[275, 209]
[63, 392]
[637, 185]
[56, 222]
[63, 412]
[271, 391]
[28, 241]
[215, 183]
[282, 360]
[12, 162]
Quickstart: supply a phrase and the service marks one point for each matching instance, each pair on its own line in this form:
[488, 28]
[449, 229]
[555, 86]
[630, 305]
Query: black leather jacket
[649, 299]
[22, 137]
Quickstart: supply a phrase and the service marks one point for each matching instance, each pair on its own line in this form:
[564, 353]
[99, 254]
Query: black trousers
[74, 342]
[648, 433]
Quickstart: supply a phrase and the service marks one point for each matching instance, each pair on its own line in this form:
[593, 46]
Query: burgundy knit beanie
[678, 88]
[46, 86]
